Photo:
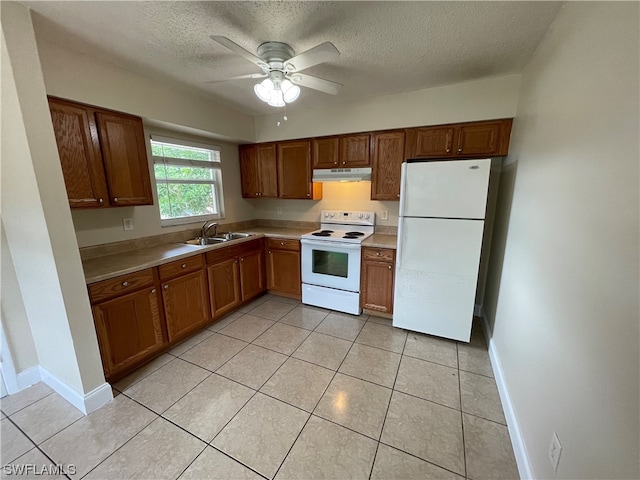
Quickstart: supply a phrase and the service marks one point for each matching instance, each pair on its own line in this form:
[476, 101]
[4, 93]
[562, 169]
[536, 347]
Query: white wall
[40, 237]
[563, 298]
[478, 100]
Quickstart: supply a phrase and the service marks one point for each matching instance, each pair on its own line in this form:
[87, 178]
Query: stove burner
[355, 234]
[351, 236]
[323, 233]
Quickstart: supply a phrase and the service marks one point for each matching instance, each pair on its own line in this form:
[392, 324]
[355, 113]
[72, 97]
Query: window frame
[215, 166]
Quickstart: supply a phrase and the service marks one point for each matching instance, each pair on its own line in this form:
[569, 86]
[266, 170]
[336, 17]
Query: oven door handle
[334, 245]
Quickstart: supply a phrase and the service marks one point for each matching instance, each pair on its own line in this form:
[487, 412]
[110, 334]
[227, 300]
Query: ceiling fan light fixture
[290, 92]
[276, 99]
[263, 89]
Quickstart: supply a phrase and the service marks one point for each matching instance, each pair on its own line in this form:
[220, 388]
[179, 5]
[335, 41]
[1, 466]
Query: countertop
[110, 266]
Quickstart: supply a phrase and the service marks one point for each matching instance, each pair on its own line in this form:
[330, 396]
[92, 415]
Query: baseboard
[477, 311]
[28, 377]
[85, 403]
[519, 449]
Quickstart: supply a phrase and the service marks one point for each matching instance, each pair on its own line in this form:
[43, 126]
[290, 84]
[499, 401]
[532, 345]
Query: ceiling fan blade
[239, 77]
[324, 52]
[316, 83]
[239, 50]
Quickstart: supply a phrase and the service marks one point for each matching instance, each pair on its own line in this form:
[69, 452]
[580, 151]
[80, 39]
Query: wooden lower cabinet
[186, 304]
[129, 330]
[224, 286]
[235, 275]
[377, 275]
[283, 267]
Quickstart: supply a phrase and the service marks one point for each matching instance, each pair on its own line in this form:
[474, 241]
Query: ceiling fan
[281, 70]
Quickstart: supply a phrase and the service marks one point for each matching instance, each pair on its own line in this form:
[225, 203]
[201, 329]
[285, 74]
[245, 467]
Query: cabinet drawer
[221, 254]
[380, 254]
[186, 265]
[283, 244]
[120, 285]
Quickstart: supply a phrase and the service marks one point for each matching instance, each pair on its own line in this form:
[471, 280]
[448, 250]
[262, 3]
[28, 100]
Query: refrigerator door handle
[403, 186]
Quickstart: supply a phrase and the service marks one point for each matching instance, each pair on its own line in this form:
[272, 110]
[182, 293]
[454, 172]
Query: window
[189, 180]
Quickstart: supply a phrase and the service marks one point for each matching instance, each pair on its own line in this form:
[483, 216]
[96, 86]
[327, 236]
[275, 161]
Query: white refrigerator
[440, 228]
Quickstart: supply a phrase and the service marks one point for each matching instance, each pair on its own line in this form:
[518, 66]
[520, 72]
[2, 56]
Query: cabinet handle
[344, 163]
[460, 150]
[282, 243]
[269, 252]
[308, 194]
[153, 290]
[377, 254]
[242, 259]
[398, 195]
[184, 265]
[166, 287]
[389, 267]
[125, 284]
[100, 200]
[448, 150]
[236, 262]
[257, 194]
[335, 163]
[115, 199]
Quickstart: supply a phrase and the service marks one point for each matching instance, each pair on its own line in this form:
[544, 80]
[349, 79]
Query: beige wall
[478, 100]
[563, 298]
[40, 237]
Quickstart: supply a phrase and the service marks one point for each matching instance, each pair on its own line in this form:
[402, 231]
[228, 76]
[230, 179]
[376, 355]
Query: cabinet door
[294, 167]
[186, 304]
[251, 274]
[79, 150]
[387, 158]
[283, 272]
[125, 158]
[224, 286]
[267, 170]
[354, 150]
[377, 286]
[325, 152]
[430, 142]
[479, 139]
[249, 174]
[129, 330]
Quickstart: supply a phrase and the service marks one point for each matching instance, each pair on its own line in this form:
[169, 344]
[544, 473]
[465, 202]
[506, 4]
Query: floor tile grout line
[292, 445]
[238, 461]
[430, 462]
[145, 376]
[386, 413]
[32, 403]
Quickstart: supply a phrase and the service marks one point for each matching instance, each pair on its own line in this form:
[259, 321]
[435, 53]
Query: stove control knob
[332, 214]
[326, 214]
[360, 215]
[367, 216]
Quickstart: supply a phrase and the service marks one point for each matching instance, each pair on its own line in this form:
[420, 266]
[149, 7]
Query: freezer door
[436, 276]
[449, 188]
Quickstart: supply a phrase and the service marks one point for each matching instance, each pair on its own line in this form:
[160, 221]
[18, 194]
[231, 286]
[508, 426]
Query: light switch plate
[127, 223]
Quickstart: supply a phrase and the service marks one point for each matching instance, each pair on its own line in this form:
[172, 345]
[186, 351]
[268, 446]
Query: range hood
[342, 175]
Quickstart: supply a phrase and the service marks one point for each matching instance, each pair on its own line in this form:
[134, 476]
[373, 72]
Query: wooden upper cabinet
[103, 155]
[80, 156]
[325, 152]
[483, 138]
[294, 170]
[386, 161]
[430, 142]
[125, 158]
[463, 140]
[268, 171]
[354, 150]
[258, 170]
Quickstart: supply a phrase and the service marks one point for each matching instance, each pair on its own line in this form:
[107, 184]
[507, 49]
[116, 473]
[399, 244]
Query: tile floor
[280, 390]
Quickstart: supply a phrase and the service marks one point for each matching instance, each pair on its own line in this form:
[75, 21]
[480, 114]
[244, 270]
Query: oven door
[331, 264]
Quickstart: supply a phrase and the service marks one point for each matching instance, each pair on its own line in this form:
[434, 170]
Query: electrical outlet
[279, 210]
[555, 448]
[127, 223]
[384, 214]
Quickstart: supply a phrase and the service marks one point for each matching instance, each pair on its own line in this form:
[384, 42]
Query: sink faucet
[207, 226]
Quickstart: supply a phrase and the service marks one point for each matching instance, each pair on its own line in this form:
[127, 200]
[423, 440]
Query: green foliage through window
[189, 180]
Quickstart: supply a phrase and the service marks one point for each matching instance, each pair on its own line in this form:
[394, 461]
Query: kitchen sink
[219, 238]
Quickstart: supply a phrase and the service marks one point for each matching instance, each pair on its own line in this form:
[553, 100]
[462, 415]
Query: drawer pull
[282, 243]
[184, 265]
[115, 200]
[377, 254]
[153, 290]
[125, 284]
[166, 287]
[100, 200]
[242, 259]
[389, 267]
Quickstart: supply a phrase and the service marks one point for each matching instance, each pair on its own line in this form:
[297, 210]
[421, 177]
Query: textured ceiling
[386, 47]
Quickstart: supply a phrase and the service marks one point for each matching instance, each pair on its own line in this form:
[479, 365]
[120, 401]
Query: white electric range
[331, 260]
